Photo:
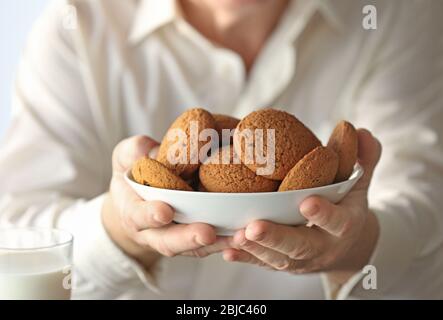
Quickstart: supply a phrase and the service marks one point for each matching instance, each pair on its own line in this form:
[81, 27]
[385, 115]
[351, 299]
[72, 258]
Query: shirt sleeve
[400, 99]
[55, 161]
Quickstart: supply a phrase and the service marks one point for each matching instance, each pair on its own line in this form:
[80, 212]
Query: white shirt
[131, 67]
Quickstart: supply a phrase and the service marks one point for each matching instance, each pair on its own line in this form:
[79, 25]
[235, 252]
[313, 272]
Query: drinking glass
[35, 264]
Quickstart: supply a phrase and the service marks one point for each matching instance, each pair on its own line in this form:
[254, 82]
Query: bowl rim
[355, 176]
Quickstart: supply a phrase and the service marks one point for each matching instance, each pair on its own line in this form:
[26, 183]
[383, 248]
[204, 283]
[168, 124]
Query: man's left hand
[342, 238]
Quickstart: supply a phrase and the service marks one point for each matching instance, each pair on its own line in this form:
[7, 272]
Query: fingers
[142, 214]
[232, 255]
[235, 255]
[335, 219]
[270, 257]
[174, 239]
[294, 242]
[135, 213]
[340, 220]
[220, 244]
[369, 153]
[129, 150]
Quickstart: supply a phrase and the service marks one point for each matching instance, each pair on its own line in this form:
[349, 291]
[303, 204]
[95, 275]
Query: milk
[34, 286]
[34, 275]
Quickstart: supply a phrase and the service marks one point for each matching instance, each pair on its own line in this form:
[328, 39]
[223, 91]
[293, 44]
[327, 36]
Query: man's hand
[342, 238]
[144, 229]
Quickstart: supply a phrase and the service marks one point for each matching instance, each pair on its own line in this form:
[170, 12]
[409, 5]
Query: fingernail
[229, 257]
[309, 209]
[200, 241]
[159, 218]
[252, 234]
[240, 240]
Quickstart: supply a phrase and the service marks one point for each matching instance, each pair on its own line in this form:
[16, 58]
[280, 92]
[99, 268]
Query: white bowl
[228, 212]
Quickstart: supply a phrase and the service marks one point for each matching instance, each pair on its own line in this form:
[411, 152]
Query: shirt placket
[225, 76]
[276, 65]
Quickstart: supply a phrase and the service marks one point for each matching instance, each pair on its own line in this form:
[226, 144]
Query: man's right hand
[144, 229]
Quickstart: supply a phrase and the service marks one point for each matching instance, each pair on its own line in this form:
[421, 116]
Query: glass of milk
[35, 264]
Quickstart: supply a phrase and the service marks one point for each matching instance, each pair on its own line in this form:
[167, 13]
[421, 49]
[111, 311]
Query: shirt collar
[332, 12]
[153, 14]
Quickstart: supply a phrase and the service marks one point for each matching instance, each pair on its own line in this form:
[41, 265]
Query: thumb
[369, 152]
[129, 150]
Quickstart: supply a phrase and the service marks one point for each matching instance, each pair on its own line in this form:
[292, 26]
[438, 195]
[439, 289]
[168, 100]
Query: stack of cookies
[268, 150]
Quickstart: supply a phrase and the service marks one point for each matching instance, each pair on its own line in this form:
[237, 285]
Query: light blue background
[16, 19]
